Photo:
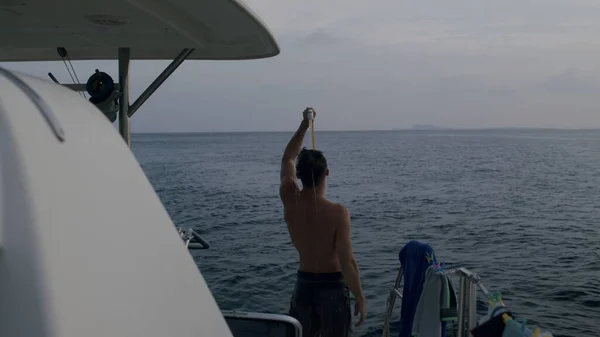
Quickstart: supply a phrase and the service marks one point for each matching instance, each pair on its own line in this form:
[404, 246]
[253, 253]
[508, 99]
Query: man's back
[312, 222]
[320, 231]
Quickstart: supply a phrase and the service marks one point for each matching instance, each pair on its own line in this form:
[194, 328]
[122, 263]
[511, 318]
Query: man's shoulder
[343, 209]
[339, 209]
[340, 216]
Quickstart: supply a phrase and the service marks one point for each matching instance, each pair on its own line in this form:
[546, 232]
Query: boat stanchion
[124, 59]
[192, 239]
[199, 242]
[160, 79]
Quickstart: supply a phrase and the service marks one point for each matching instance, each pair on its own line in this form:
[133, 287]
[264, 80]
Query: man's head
[311, 168]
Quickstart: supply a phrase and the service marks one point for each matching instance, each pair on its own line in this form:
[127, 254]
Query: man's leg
[302, 308]
[334, 312]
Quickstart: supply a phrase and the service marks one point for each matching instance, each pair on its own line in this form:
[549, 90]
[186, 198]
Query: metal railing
[469, 284]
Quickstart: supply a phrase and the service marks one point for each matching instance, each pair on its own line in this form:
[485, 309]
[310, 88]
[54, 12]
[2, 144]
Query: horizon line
[381, 130]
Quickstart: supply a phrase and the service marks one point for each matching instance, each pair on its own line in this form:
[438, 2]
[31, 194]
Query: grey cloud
[320, 38]
[571, 81]
[471, 85]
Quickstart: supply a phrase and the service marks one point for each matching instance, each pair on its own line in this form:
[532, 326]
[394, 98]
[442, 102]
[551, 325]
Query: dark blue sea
[519, 207]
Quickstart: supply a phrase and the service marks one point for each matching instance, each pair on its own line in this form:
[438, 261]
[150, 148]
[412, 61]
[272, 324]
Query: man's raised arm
[288, 171]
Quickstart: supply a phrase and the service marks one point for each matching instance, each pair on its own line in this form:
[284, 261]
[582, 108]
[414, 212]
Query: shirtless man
[320, 232]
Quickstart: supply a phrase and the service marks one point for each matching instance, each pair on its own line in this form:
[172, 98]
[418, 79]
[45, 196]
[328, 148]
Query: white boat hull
[87, 248]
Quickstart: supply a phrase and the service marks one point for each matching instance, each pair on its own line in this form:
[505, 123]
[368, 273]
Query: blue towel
[414, 259]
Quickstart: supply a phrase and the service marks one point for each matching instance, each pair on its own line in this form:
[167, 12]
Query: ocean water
[519, 207]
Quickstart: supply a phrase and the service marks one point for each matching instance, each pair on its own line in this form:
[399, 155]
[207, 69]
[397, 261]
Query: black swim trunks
[321, 303]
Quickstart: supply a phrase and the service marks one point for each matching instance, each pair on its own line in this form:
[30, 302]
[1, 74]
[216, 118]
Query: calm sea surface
[519, 207]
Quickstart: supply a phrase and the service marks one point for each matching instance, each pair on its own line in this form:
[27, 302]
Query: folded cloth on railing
[500, 322]
[493, 327]
[492, 324]
[513, 328]
[449, 308]
[436, 306]
[415, 258]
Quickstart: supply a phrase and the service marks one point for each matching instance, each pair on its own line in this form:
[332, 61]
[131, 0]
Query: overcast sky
[387, 64]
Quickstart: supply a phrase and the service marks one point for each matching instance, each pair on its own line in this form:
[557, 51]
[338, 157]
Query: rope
[75, 73]
[314, 146]
[312, 131]
[69, 70]
[63, 53]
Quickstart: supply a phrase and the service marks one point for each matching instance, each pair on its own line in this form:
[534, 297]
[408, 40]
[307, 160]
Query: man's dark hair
[311, 166]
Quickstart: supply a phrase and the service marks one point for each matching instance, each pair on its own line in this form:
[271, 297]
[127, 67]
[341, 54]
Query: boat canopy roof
[32, 30]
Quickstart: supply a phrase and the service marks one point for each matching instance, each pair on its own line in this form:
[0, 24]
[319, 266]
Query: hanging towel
[437, 305]
[449, 308]
[415, 258]
[427, 322]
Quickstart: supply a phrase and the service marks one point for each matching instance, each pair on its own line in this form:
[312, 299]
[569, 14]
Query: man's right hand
[306, 111]
[360, 308]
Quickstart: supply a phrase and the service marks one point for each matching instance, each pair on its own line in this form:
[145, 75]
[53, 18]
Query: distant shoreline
[437, 129]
